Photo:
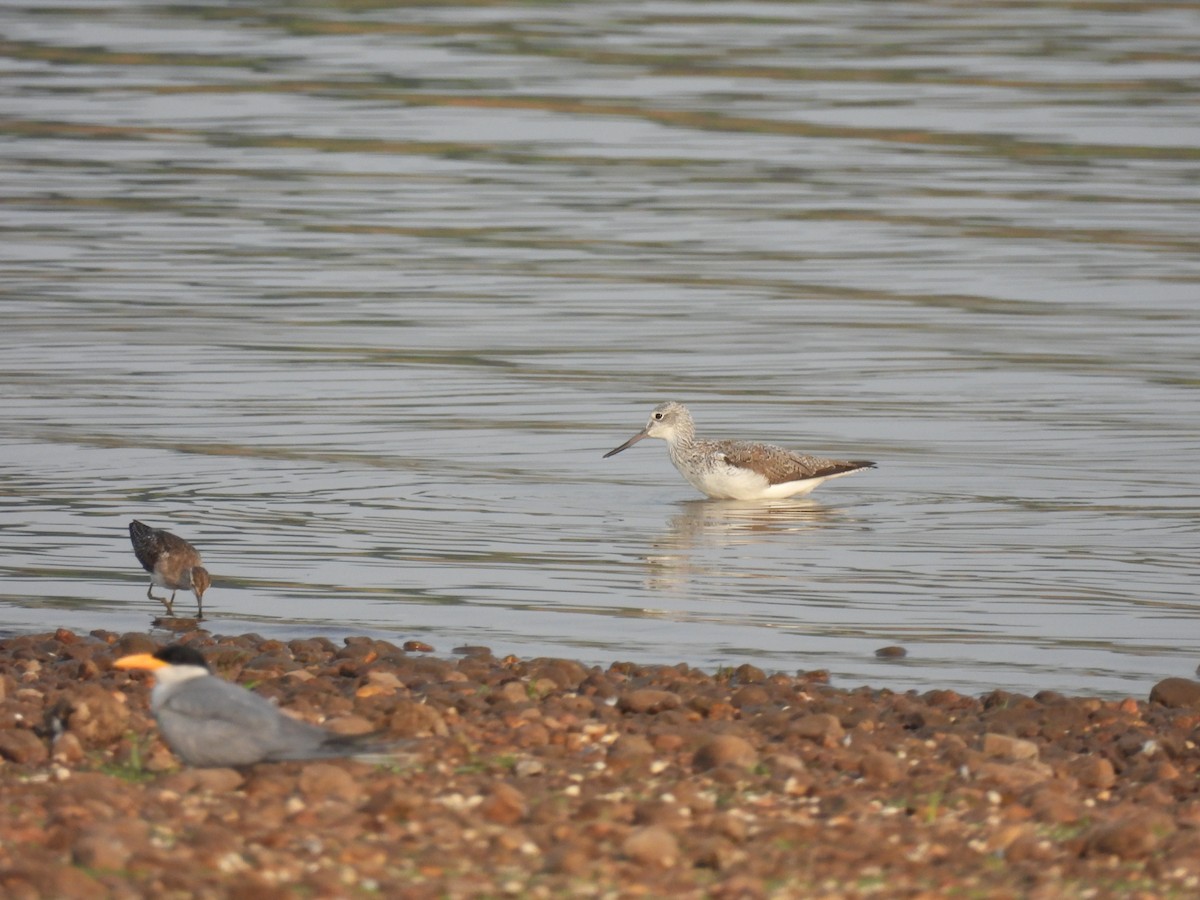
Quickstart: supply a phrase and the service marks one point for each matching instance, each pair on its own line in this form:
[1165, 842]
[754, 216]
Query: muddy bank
[546, 778]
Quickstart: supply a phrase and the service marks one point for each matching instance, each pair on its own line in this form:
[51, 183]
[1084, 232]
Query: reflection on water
[702, 543]
[355, 296]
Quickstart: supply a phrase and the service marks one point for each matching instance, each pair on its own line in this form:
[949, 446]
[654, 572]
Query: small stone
[417, 647]
[892, 651]
[513, 692]
[386, 679]
[881, 767]
[566, 674]
[67, 749]
[326, 781]
[505, 805]
[95, 715]
[821, 727]
[217, 781]
[105, 847]
[528, 767]
[750, 696]
[630, 746]
[1133, 837]
[647, 700]
[726, 749]
[21, 746]
[350, 725]
[1005, 746]
[570, 859]
[1014, 777]
[134, 642]
[1094, 772]
[476, 651]
[1176, 693]
[652, 845]
[748, 674]
[411, 719]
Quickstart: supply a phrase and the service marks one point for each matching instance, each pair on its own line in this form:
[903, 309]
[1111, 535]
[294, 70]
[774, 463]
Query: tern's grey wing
[780, 465]
[210, 722]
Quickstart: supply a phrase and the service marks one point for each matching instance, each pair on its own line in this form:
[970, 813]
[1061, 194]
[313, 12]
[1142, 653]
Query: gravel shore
[547, 778]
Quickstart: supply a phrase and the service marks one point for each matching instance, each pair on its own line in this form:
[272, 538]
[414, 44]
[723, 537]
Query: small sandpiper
[172, 562]
[737, 470]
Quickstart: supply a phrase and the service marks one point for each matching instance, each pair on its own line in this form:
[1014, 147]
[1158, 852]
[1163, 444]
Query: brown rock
[20, 745]
[748, 674]
[566, 674]
[350, 725]
[892, 651]
[726, 749]
[94, 714]
[1176, 693]
[1094, 772]
[630, 746]
[218, 781]
[417, 647]
[821, 727]
[110, 845]
[1006, 747]
[651, 846]
[67, 749]
[327, 781]
[1133, 837]
[505, 805]
[750, 696]
[134, 642]
[1053, 805]
[1013, 777]
[881, 767]
[647, 700]
[412, 719]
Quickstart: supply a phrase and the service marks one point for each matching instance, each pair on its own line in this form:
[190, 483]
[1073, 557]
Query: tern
[210, 722]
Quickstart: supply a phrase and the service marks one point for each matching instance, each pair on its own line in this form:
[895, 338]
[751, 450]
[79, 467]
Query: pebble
[648, 700]
[652, 845]
[630, 746]
[504, 805]
[726, 749]
[328, 780]
[821, 727]
[1094, 772]
[892, 651]
[1132, 837]
[881, 767]
[19, 745]
[1006, 747]
[1176, 693]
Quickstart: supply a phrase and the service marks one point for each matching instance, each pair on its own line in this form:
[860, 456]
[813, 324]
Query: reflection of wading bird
[210, 722]
[737, 470]
[172, 562]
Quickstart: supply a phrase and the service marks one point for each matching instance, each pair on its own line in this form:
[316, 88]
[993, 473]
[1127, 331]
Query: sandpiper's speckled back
[151, 544]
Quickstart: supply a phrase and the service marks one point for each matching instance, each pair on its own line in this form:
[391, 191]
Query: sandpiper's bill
[172, 562]
[737, 470]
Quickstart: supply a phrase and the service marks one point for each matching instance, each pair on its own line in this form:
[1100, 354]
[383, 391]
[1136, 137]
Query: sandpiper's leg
[163, 600]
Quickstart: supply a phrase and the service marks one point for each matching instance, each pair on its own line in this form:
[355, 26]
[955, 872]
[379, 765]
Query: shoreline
[548, 778]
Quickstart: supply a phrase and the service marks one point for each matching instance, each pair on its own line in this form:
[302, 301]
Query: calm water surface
[355, 295]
